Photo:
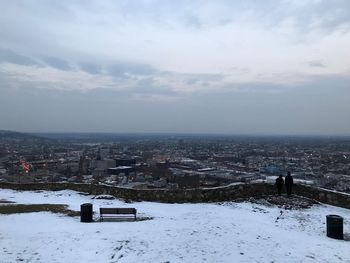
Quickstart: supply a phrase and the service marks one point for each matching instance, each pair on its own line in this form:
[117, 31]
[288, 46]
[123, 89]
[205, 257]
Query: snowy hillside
[229, 232]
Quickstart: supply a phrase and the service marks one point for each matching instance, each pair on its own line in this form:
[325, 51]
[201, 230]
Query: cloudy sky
[224, 66]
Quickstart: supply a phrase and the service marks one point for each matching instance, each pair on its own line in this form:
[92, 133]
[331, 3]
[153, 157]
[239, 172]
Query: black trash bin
[335, 226]
[86, 213]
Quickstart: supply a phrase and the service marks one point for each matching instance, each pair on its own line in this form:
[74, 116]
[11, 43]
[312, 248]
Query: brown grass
[20, 208]
[4, 201]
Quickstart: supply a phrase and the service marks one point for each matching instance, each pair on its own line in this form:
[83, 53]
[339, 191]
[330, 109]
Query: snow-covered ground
[229, 232]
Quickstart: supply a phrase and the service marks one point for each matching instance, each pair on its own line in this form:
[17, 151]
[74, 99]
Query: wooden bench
[117, 213]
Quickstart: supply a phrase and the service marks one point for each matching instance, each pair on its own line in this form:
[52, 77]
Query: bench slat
[126, 210]
[108, 210]
[117, 211]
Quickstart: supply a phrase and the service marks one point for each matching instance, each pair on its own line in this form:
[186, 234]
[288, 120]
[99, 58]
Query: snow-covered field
[229, 232]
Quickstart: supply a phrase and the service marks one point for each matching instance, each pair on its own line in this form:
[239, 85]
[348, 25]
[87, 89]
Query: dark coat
[279, 182]
[289, 180]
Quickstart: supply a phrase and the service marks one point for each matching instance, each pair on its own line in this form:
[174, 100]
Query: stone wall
[324, 195]
[227, 193]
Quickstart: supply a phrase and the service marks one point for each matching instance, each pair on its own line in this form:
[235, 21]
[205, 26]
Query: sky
[224, 66]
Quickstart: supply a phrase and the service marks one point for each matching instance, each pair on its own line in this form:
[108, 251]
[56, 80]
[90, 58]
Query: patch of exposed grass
[21, 208]
[125, 219]
[4, 201]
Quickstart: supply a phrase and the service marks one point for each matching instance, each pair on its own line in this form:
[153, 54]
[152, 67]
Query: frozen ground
[228, 232]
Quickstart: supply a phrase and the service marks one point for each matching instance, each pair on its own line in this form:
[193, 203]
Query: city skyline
[223, 67]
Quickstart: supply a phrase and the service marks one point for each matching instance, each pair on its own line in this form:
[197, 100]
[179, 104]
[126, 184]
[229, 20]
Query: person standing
[279, 184]
[289, 183]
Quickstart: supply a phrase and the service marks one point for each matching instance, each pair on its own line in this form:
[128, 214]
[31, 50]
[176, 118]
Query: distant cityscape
[165, 161]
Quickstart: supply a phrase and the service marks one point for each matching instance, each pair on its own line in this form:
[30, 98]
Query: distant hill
[17, 135]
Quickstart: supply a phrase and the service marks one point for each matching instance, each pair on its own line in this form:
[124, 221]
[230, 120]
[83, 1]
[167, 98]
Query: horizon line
[185, 133]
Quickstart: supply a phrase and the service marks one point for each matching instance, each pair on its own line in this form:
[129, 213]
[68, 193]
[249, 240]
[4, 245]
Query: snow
[228, 232]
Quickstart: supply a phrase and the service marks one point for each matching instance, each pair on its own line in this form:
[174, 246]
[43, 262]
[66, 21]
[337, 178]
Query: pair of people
[288, 182]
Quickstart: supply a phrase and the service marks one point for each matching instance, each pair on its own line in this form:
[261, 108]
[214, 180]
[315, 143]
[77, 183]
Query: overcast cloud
[271, 67]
